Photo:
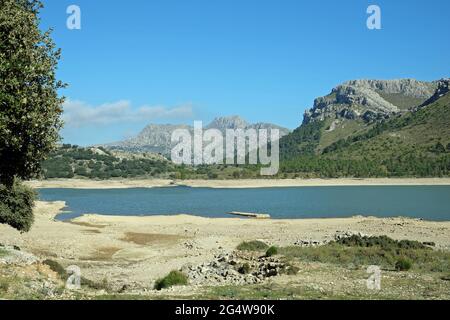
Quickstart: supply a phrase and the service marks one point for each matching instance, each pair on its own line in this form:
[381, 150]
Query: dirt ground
[127, 250]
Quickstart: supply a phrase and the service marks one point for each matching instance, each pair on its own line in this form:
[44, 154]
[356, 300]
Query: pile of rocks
[347, 234]
[15, 256]
[309, 243]
[235, 269]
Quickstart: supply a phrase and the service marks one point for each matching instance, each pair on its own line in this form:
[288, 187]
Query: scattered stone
[226, 269]
[309, 243]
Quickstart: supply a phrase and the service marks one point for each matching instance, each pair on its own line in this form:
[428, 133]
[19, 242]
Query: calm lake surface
[427, 202]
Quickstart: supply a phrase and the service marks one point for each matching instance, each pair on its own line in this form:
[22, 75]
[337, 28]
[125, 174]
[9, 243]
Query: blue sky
[176, 61]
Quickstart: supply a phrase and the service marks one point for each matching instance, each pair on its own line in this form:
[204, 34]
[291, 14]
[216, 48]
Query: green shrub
[16, 206]
[244, 269]
[380, 241]
[3, 252]
[174, 278]
[403, 264]
[271, 251]
[4, 285]
[56, 267]
[252, 246]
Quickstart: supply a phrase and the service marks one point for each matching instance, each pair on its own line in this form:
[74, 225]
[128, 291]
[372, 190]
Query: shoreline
[233, 184]
[142, 249]
[56, 208]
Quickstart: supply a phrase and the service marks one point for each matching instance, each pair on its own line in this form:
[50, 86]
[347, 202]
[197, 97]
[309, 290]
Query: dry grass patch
[87, 224]
[102, 254]
[91, 231]
[150, 238]
[43, 253]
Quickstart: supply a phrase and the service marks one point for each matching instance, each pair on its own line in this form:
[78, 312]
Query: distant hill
[156, 138]
[374, 128]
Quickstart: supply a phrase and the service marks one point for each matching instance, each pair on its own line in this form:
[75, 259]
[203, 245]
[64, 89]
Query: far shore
[244, 183]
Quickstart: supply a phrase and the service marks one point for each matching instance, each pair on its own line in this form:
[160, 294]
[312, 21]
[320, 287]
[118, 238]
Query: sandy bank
[98, 184]
[250, 183]
[266, 183]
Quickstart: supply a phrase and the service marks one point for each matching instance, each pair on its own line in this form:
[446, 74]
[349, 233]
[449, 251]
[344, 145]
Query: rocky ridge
[237, 268]
[443, 87]
[156, 138]
[366, 99]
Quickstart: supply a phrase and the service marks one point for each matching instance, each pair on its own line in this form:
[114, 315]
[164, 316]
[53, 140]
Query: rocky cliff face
[157, 138]
[443, 87]
[369, 100]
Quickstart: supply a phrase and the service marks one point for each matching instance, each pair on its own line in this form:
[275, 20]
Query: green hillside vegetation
[98, 163]
[302, 141]
[411, 144]
[342, 130]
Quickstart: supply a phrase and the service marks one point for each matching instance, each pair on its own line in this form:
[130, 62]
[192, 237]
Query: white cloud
[78, 113]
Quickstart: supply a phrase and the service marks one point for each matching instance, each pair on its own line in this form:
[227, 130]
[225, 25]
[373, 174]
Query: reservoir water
[427, 202]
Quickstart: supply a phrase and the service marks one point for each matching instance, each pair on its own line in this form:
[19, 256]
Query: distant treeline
[406, 166]
[70, 161]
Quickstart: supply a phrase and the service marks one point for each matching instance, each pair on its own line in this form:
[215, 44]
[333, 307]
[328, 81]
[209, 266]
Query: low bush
[63, 275]
[16, 206]
[252, 246]
[271, 251]
[174, 278]
[3, 252]
[403, 264]
[56, 267]
[4, 285]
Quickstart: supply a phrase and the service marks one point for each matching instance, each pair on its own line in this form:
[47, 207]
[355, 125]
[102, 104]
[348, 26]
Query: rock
[17, 257]
[347, 234]
[443, 87]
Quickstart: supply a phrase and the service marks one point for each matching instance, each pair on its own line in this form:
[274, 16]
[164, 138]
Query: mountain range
[156, 138]
[362, 128]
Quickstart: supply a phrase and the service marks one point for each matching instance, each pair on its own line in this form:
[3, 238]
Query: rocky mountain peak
[407, 87]
[231, 122]
[443, 87]
[157, 138]
[370, 100]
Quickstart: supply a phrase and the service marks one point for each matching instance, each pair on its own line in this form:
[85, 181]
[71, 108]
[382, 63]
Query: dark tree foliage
[16, 206]
[302, 141]
[30, 107]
